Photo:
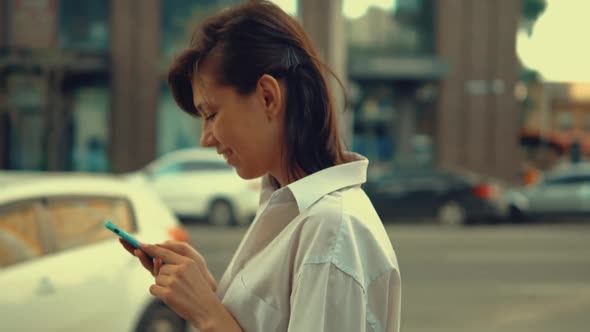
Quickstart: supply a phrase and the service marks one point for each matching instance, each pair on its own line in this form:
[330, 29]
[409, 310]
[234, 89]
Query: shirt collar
[311, 188]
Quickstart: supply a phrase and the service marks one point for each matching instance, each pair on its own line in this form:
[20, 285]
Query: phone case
[124, 235]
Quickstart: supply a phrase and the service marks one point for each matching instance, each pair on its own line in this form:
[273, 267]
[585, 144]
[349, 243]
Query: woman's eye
[211, 117]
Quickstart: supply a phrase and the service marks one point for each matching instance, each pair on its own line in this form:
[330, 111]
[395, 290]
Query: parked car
[431, 194]
[562, 193]
[61, 270]
[198, 183]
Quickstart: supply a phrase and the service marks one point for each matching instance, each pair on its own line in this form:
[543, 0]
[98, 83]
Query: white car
[198, 183]
[62, 270]
[563, 193]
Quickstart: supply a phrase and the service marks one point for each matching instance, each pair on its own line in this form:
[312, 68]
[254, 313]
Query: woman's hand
[182, 248]
[185, 284]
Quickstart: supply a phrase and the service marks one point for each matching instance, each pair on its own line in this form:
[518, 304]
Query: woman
[316, 257]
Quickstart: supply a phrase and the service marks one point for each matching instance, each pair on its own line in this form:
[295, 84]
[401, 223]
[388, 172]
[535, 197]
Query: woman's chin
[247, 174]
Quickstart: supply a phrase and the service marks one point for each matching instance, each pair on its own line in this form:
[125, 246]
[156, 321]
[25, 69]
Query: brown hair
[257, 38]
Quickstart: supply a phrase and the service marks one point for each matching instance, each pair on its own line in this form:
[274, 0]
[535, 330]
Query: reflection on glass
[19, 232]
[373, 125]
[84, 24]
[176, 130]
[394, 129]
[180, 17]
[78, 221]
[402, 27]
[26, 122]
[91, 130]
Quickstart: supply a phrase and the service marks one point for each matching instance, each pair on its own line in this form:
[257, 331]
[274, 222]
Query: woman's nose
[207, 139]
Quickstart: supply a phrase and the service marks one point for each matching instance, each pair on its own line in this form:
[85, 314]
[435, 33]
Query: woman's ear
[270, 96]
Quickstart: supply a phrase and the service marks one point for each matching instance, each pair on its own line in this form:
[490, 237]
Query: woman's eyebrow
[200, 108]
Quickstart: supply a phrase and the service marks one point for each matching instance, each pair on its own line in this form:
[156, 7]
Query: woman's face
[246, 129]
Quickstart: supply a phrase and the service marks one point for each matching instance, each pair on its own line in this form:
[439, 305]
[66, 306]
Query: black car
[432, 194]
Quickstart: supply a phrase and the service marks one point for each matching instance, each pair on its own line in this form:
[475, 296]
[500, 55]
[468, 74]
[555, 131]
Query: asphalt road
[488, 279]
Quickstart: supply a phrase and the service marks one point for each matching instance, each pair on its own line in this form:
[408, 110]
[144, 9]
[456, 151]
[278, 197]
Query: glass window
[180, 17]
[176, 130]
[573, 179]
[20, 236]
[26, 123]
[392, 127]
[78, 221]
[84, 25]
[90, 129]
[403, 27]
[374, 124]
[565, 120]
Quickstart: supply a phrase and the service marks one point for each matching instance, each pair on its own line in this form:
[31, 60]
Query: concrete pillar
[135, 46]
[477, 105]
[122, 98]
[478, 119]
[450, 24]
[148, 77]
[508, 154]
[324, 22]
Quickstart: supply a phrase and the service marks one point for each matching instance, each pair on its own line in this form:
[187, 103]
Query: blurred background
[472, 112]
[470, 85]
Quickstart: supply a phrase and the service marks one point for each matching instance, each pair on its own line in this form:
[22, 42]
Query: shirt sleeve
[324, 298]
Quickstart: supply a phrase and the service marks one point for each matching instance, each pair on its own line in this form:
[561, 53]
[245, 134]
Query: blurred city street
[474, 116]
[485, 279]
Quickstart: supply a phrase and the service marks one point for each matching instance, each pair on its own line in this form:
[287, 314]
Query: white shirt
[316, 258]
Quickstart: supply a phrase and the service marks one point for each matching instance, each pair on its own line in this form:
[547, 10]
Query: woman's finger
[185, 249]
[160, 292]
[167, 255]
[157, 266]
[127, 246]
[163, 280]
[145, 261]
[181, 248]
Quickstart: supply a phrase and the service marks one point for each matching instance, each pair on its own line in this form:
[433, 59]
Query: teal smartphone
[124, 235]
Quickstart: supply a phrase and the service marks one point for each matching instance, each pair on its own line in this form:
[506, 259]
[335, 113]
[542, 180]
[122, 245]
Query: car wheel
[451, 214]
[159, 318]
[221, 213]
[515, 214]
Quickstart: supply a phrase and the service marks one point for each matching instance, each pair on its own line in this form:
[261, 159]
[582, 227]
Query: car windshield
[567, 180]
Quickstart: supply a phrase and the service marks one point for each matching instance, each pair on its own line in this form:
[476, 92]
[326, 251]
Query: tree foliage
[532, 9]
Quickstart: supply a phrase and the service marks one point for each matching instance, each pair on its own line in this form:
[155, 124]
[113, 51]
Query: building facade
[556, 124]
[428, 84]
